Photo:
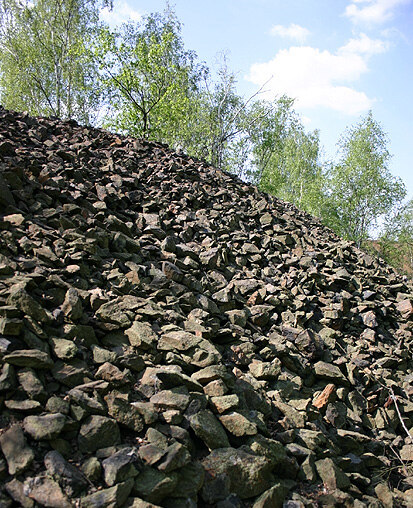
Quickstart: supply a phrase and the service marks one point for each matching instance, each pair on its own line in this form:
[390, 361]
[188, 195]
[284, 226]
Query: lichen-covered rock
[44, 427]
[98, 432]
[207, 427]
[248, 475]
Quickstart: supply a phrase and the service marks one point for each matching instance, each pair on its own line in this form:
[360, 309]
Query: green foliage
[220, 122]
[286, 157]
[362, 188]
[44, 66]
[396, 242]
[150, 78]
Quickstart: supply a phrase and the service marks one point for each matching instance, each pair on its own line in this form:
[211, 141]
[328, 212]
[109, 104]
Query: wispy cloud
[372, 12]
[364, 45]
[121, 13]
[295, 32]
[317, 78]
[314, 78]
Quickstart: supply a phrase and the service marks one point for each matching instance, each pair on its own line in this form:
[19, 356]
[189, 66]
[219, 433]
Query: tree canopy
[361, 187]
[150, 78]
[45, 68]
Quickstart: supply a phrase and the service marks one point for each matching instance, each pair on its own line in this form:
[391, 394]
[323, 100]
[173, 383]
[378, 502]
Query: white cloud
[121, 13]
[363, 45]
[293, 31]
[315, 78]
[372, 12]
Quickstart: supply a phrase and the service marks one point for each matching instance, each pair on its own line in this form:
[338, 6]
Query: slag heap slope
[171, 336]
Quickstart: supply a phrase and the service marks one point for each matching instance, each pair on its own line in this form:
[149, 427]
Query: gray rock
[72, 305]
[18, 454]
[29, 358]
[69, 478]
[15, 489]
[273, 497]
[141, 335]
[46, 492]
[120, 466]
[44, 427]
[332, 476]
[170, 399]
[248, 475]
[176, 456]
[27, 304]
[113, 497]
[209, 429]
[98, 432]
[238, 425]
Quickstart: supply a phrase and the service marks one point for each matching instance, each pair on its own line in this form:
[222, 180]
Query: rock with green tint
[18, 454]
[247, 475]
[238, 425]
[268, 448]
[71, 372]
[331, 475]
[265, 370]
[92, 469]
[44, 427]
[154, 486]
[11, 326]
[190, 481]
[64, 349]
[29, 358]
[209, 429]
[329, 371]
[170, 399]
[272, 498]
[98, 432]
[7, 377]
[114, 312]
[141, 335]
[114, 497]
[21, 299]
[176, 456]
[124, 412]
[120, 466]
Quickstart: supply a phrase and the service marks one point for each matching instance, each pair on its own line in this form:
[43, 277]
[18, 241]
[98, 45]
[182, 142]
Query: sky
[337, 58]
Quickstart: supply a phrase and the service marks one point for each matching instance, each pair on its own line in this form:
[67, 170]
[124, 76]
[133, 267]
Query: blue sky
[337, 58]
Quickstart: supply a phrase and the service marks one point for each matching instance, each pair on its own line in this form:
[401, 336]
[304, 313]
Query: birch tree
[362, 189]
[45, 68]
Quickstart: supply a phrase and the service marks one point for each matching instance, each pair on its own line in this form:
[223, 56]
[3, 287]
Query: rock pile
[170, 336]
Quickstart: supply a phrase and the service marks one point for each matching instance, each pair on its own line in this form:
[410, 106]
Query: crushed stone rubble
[170, 336]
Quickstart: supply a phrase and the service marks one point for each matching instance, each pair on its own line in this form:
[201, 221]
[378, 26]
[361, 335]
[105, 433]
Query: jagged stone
[18, 454]
[145, 296]
[29, 358]
[15, 489]
[332, 476]
[176, 456]
[44, 427]
[154, 486]
[208, 428]
[238, 425]
[46, 492]
[114, 496]
[98, 432]
[247, 475]
[69, 478]
[120, 466]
